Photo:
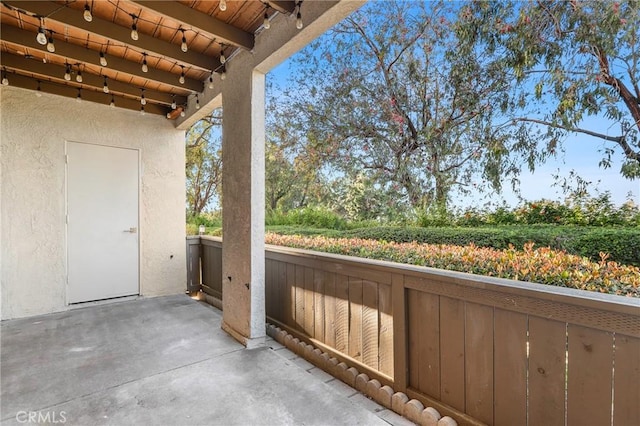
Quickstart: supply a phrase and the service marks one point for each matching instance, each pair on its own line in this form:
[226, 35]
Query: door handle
[131, 230]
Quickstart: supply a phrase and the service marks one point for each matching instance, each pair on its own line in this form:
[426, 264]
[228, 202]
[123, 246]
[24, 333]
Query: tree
[203, 164]
[573, 60]
[399, 96]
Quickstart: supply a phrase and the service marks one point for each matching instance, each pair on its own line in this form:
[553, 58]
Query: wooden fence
[483, 350]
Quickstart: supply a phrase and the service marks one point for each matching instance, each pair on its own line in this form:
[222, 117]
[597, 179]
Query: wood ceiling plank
[228, 34]
[71, 92]
[16, 62]
[117, 33]
[287, 7]
[75, 53]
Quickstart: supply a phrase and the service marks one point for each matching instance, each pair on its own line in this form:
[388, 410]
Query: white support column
[243, 205]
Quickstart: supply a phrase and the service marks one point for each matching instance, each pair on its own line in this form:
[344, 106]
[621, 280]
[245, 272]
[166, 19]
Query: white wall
[33, 132]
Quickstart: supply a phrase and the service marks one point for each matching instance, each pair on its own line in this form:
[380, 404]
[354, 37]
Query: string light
[181, 79]
[134, 29]
[182, 113]
[143, 100]
[197, 102]
[173, 102]
[5, 80]
[112, 104]
[145, 67]
[299, 23]
[51, 48]
[142, 110]
[105, 86]
[266, 24]
[41, 38]
[223, 73]
[223, 5]
[79, 76]
[211, 81]
[223, 59]
[79, 97]
[67, 73]
[38, 90]
[103, 59]
[87, 13]
[183, 45]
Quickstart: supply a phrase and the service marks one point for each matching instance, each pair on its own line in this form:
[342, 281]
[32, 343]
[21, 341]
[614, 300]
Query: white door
[102, 227]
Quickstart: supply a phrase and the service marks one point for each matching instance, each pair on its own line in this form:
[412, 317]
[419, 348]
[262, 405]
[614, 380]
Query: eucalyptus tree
[203, 163]
[577, 65]
[393, 91]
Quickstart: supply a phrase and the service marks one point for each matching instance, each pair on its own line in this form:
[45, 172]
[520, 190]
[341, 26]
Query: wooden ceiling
[83, 31]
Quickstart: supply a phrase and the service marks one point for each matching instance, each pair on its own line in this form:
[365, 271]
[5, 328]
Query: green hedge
[622, 244]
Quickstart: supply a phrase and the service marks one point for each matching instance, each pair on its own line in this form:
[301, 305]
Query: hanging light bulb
[105, 86]
[169, 115]
[87, 13]
[142, 110]
[223, 74]
[112, 104]
[79, 97]
[182, 113]
[211, 81]
[173, 102]
[50, 46]
[134, 29]
[181, 79]
[79, 76]
[223, 5]
[223, 59]
[197, 102]
[299, 23]
[145, 67]
[143, 100]
[38, 90]
[266, 24]
[67, 73]
[41, 38]
[5, 80]
[103, 59]
[183, 45]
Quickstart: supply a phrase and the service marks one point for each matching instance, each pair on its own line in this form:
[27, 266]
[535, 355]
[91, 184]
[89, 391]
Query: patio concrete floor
[163, 361]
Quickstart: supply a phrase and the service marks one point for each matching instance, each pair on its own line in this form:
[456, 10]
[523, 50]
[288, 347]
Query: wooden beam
[56, 72]
[286, 7]
[75, 53]
[223, 32]
[146, 43]
[87, 95]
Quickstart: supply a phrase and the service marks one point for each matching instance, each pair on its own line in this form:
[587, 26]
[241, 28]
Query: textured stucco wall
[32, 195]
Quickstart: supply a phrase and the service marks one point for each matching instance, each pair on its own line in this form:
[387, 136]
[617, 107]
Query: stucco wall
[32, 195]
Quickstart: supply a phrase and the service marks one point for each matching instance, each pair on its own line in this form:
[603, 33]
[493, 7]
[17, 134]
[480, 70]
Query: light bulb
[173, 104]
[79, 97]
[5, 80]
[51, 48]
[223, 5]
[41, 38]
[105, 87]
[299, 23]
[67, 74]
[223, 74]
[145, 67]
[143, 100]
[169, 115]
[87, 13]
[134, 32]
[211, 82]
[266, 23]
[142, 110]
[79, 76]
[223, 58]
[112, 104]
[181, 79]
[103, 59]
[182, 113]
[183, 45]
[197, 102]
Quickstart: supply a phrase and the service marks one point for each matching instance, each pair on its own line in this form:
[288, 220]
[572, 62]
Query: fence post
[400, 367]
[194, 252]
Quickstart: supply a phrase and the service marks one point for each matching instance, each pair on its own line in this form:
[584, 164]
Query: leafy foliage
[203, 164]
[540, 265]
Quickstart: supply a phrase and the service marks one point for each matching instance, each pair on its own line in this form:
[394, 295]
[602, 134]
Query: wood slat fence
[486, 350]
